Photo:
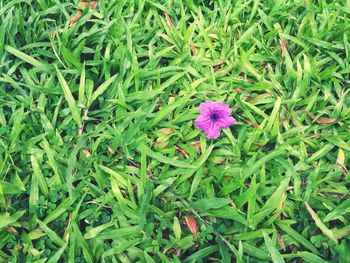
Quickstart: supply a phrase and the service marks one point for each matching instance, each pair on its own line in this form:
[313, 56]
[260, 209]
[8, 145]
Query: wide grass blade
[163, 159]
[7, 219]
[69, 98]
[27, 58]
[275, 255]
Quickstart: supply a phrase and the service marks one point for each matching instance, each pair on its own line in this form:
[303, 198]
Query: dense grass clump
[100, 160]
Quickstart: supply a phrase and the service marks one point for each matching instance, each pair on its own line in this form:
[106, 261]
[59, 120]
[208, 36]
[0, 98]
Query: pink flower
[213, 117]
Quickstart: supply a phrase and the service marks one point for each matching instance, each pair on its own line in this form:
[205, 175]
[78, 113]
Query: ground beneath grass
[100, 160]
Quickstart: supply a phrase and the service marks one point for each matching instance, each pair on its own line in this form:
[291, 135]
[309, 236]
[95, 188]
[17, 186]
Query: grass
[99, 157]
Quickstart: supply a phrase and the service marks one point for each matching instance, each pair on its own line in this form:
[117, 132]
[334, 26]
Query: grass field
[100, 160]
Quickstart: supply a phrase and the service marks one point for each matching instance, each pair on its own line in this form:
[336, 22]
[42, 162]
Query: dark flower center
[214, 116]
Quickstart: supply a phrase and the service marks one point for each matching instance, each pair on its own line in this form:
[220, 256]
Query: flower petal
[206, 107]
[203, 122]
[226, 122]
[213, 131]
[222, 108]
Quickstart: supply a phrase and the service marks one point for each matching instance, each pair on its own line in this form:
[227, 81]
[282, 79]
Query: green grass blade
[275, 255]
[69, 98]
[102, 88]
[163, 159]
[7, 219]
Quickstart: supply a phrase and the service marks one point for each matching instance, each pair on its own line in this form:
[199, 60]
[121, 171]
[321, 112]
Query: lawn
[101, 159]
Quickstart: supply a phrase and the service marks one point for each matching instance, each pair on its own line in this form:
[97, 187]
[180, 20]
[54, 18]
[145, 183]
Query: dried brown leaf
[196, 145]
[283, 47]
[192, 225]
[325, 120]
[11, 229]
[83, 3]
[280, 241]
[166, 130]
[254, 124]
[259, 145]
[86, 153]
[341, 157]
[193, 49]
[168, 20]
[294, 249]
[74, 19]
[341, 160]
[183, 152]
[322, 120]
[92, 5]
[313, 117]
